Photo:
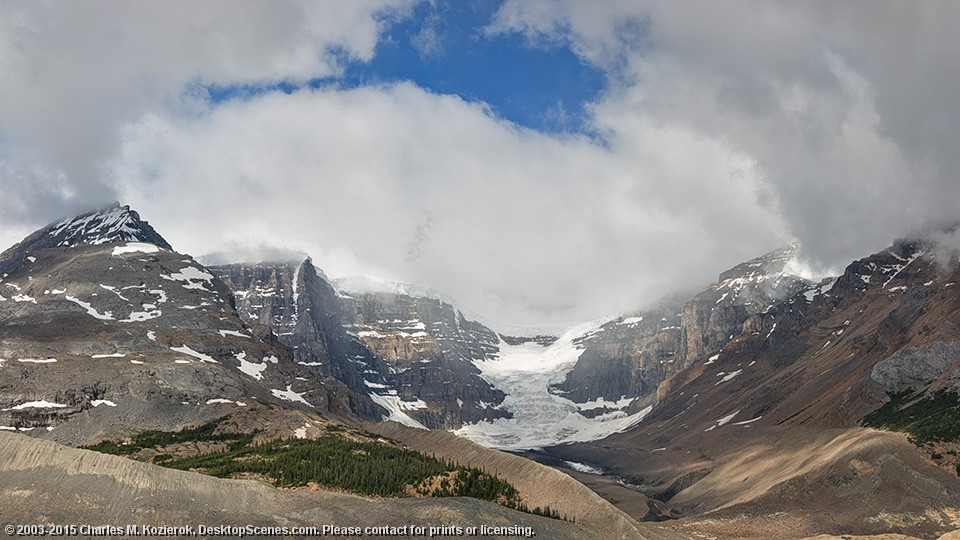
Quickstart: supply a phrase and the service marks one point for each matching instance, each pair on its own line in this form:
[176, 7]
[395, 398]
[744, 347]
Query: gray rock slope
[103, 329]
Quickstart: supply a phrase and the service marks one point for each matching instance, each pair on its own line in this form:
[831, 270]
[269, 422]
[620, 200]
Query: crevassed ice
[541, 418]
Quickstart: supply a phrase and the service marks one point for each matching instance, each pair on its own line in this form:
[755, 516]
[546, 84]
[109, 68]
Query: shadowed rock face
[911, 368]
[633, 355]
[412, 355]
[303, 311]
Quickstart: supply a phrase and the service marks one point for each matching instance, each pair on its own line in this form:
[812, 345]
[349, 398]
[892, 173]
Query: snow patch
[600, 403]
[105, 316]
[728, 376]
[397, 414]
[772, 328]
[37, 360]
[218, 400]
[190, 352]
[114, 355]
[727, 418]
[584, 468]
[290, 395]
[252, 369]
[139, 316]
[135, 247]
[191, 277]
[42, 404]
[225, 333]
[99, 402]
[114, 291]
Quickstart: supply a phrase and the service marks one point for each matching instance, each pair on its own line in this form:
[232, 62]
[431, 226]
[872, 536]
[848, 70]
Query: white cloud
[71, 73]
[847, 110]
[727, 129]
[519, 226]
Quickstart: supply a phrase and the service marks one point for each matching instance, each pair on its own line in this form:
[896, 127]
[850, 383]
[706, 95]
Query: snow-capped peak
[111, 224]
[114, 223]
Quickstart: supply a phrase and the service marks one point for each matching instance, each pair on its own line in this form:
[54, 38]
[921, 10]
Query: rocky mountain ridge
[104, 328]
[631, 356]
[768, 426]
[745, 400]
[411, 355]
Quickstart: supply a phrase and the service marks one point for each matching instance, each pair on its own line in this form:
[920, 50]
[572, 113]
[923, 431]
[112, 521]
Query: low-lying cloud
[722, 134]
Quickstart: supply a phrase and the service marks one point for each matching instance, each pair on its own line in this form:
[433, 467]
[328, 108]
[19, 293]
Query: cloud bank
[723, 132]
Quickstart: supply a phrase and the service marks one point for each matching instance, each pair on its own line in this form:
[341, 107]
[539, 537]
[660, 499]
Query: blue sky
[443, 47]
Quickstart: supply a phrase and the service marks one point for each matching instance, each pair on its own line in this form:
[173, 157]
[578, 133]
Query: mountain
[410, 355]
[747, 410]
[113, 223]
[111, 339]
[104, 328]
[603, 378]
[769, 424]
[632, 355]
[411, 351]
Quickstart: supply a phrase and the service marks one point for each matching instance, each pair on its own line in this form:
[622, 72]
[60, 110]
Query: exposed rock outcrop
[632, 356]
[411, 355]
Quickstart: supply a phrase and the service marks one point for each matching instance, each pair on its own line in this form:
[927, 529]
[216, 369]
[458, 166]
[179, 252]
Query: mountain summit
[112, 223]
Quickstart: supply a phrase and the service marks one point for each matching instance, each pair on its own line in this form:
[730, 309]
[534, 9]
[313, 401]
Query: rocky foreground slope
[45, 483]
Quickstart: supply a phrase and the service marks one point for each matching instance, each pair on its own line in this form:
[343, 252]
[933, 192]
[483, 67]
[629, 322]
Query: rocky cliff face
[625, 358]
[631, 356]
[429, 348]
[301, 308]
[103, 328]
[410, 355]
